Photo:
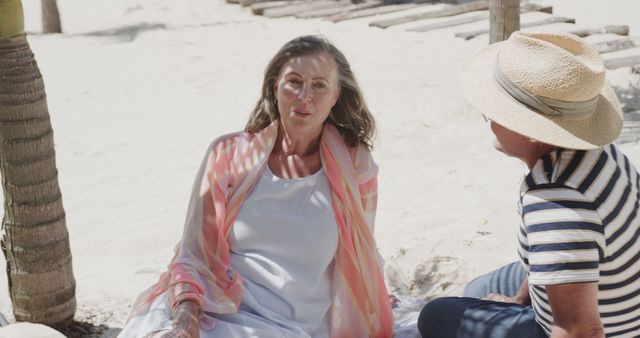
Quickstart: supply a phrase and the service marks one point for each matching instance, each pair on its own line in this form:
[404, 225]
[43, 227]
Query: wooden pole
[504, 19]
[50, 17]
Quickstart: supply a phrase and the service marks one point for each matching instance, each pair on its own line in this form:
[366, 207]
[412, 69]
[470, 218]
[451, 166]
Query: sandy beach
[138, 89]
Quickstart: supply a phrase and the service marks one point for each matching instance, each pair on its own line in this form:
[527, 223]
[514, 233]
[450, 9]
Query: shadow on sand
[77, 329]
[126, 33]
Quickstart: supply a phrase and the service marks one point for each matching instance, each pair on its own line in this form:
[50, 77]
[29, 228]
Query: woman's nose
[304, 94]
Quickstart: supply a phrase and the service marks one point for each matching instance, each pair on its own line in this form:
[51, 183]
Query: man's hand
[521, 297]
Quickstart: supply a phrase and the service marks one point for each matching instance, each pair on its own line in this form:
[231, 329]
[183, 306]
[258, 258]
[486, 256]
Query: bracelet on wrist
[200, 313]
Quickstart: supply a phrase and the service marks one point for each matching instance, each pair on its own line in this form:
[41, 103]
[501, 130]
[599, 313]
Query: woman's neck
[289, 144]
[294, 157]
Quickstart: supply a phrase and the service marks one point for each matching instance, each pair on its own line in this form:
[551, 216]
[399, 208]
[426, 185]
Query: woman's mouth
[301, 113]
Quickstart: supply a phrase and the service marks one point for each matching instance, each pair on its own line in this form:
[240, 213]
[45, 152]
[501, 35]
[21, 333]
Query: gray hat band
[572, 110]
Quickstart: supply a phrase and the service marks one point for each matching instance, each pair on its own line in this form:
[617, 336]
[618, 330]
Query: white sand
[137, 90]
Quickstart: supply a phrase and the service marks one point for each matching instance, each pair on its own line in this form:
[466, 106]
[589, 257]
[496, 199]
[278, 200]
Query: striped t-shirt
[580, 223]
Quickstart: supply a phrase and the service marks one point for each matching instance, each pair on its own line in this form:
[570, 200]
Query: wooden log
[245, 3]
[310, 14]
[450, 23]
[613, 29]
[504, 19]
[260, 7]
[624, 61]
[319, 13]
[554, 19]
[616, 45]
[449, 11]
[298, 8]
[483, 16]
[371, 11]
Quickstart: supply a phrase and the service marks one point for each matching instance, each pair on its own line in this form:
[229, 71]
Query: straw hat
[549, 87]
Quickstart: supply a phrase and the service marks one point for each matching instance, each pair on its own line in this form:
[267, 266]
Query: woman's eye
[319, 85]
[295, 81]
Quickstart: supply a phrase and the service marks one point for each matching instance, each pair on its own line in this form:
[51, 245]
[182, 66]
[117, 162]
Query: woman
[279, 240]
[550, 107]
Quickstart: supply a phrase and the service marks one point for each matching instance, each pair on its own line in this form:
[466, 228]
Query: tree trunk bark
[50, 17]
[504, 19]
[35, 242]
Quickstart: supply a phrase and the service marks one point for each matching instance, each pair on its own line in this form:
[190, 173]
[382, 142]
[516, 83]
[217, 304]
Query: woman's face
[307, 88]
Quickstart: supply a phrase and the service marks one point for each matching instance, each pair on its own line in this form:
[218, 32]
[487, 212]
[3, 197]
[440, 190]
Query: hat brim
[481, 90]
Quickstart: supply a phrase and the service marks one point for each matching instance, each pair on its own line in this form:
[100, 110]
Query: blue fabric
[469, 316]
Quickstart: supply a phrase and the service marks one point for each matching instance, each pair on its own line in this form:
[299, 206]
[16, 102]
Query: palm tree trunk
[35, 242]
[50, 17]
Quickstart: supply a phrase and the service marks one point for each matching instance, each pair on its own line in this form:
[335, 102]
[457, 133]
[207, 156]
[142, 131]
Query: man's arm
[575, 310]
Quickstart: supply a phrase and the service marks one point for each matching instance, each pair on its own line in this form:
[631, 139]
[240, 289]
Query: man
[579, 275]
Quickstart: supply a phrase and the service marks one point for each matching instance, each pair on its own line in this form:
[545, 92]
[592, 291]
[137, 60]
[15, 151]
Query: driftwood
[616, 45]
[339, 10]
[246, 3]
[449, 11]
[299, 8]
[625, 61]
[547, 21]
[483, 16]
[259, 8]
[371, 11]
[613, 29]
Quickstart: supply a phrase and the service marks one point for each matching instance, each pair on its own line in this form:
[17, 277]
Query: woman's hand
[186, 321]
[393, 300]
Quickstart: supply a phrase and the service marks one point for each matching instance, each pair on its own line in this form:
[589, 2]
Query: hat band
[572, 110]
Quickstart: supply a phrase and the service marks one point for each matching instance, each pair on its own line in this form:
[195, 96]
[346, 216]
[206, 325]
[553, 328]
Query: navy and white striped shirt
[580, 223]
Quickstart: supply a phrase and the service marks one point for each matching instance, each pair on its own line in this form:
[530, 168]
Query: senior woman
[278, 240]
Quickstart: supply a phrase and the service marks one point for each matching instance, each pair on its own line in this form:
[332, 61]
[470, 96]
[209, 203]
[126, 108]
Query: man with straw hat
[579, 275]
